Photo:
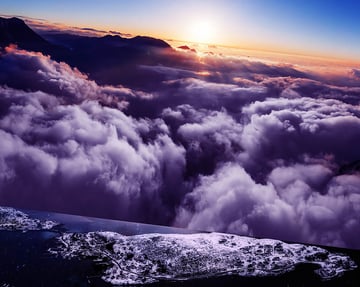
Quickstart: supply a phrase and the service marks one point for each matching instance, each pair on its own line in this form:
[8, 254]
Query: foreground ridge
[149, 258]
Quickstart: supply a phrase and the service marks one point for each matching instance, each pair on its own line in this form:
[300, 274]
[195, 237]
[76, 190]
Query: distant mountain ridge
[110, 59]
[15, 31]
[138, 40]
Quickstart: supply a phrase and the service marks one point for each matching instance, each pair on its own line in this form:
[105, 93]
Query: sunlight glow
[201, 31]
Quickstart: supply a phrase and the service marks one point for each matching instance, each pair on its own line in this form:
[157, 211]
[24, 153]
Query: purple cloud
[247, 147]
[288, 206]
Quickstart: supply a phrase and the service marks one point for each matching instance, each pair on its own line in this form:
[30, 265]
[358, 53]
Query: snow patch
[149, 258]
[13, 219]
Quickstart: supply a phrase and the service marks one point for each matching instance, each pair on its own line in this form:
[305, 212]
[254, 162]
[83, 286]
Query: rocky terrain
[150, 258]
[13, 219]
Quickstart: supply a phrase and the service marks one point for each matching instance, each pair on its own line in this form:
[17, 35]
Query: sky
[323, 27]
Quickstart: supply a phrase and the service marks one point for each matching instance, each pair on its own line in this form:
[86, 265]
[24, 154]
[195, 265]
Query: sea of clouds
[248, 147]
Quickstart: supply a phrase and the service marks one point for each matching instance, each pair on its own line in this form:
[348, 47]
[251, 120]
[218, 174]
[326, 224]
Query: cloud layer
[217, 143]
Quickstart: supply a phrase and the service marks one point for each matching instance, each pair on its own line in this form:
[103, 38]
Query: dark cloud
[212, 143]
[356, 73]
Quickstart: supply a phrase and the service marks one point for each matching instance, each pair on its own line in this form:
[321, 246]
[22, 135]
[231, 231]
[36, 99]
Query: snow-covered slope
[149, 258]
[13, 219]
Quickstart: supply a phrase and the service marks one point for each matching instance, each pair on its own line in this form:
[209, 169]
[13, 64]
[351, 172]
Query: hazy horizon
[327, 62]
[323, 28]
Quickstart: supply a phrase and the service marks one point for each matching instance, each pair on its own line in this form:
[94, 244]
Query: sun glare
[201, 32]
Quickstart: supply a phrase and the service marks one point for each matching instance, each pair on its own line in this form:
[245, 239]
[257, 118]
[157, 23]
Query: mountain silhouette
[114, 41]
[186, 48]
[149, 41]
[15, 31]
[110, 59]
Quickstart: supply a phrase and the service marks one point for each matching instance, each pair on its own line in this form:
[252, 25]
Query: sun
[201, 31]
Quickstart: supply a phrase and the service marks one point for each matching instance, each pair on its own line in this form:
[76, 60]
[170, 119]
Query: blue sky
[328, 28]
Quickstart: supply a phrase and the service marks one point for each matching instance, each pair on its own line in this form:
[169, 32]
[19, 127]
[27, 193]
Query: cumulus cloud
[288, 206]
[230, 201]
[288, 128]
[282, 178]
[209, 137]
[35, 72]
[64, 157]
[64, 150]
[216, 143]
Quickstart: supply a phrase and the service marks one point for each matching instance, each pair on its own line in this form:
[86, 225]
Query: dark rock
[15, 31]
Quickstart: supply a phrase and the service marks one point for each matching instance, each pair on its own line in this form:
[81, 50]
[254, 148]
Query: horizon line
[289, 52]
